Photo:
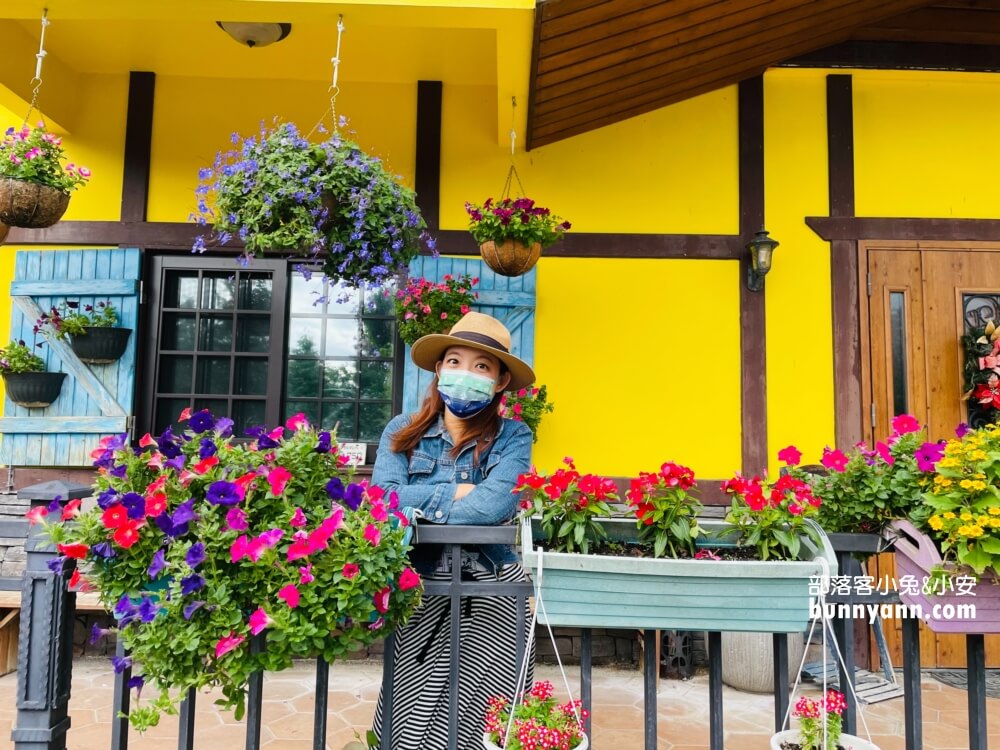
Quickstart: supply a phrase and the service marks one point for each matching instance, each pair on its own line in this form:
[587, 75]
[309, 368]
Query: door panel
[915, 320]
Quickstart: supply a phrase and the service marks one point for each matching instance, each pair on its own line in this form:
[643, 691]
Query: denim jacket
[426, 481]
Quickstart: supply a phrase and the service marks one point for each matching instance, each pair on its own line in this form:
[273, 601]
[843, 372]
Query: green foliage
[34, 155]
[516, 219]
[423, 307]
[330, 201]
[68, 319]
[539, 721]
[205, 547]
[569, 504]
[18, 357]
[666, 512]
[527, 405]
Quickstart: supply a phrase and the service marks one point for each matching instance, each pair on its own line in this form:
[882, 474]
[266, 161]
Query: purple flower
[185, 512]
[158, 564]
[354, 495]
[103, 549]
[121, 663]
[224, 426]
[323, 442]
[56, 565]
[201, 421]
[165, 442]
[136, 683]
[961, 430]
[97, 633]
[166, 524]
[335, 489]
[223, 493]
[208, 448]
[124, 607]
[55, 506]
[196, 555]
[135, 504]
[928, 455]
[191, 608]
[271, 537]
[176, 463]
[119, 470]
[236, 519]
[107, 498]
[148, 609]
[191, 584]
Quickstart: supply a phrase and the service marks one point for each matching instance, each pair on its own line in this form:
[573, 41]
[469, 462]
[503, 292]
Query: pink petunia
[835, 460]
[408, 579]
[278, 478]
[790, 455]
[883, 452]
[238, 549]
[298, 518]
[379, 512]
[299, 549]
[350, 570]
[259, 620]
[205, 464]
[290, 595]
[227, 644]
[297, 422]
[373, 535]
[147, 441]
[36, 514]
[305, 574]
[236, 519]
[155, 460]
[185, 414]
[382, 600]
[374, 493]
[256, 549]
[904, 423]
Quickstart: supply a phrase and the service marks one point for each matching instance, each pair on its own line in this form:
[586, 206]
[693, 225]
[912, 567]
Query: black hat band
[480, 338]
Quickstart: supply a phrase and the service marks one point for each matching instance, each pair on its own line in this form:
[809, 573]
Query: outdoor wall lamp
[255, 34]
[761, 248]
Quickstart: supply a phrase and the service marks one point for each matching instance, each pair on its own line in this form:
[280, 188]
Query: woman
[456, 461]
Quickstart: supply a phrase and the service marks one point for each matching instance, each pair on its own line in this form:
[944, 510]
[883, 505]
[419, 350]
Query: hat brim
[427, 351]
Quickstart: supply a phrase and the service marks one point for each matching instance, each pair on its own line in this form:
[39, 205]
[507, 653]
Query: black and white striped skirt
[489, 666]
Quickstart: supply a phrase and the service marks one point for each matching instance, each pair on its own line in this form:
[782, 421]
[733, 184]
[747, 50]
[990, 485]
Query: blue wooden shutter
[510, 300]
[96, 400]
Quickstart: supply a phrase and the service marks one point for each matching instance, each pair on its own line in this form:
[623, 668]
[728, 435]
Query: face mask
[465, 393]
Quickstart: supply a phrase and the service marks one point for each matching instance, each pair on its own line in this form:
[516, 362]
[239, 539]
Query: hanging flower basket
[490, 745]
[31, 205]
[511, 257]
[33, 390]
[100, 346]
[791, 738]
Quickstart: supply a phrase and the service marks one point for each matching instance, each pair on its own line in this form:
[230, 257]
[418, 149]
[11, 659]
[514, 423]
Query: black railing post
[651, 672]
[120, 704]
[912, 721]
[975, 653]
[587, 678]
[716, 733]
[781, 689]
[45, 646]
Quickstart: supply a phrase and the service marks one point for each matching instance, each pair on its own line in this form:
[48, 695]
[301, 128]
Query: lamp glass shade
[254, 34]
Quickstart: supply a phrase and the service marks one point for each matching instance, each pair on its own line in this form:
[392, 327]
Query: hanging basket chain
[333, 89]
[36, 82]
[512, 174]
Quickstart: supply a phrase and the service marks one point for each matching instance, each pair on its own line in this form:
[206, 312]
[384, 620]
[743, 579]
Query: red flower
[76, 551]
[408, 579]
[114, 516]
[205, 464]
[790, 455]
[127, 534]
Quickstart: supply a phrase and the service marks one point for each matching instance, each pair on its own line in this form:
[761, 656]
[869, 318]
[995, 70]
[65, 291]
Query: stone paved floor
[683, 713]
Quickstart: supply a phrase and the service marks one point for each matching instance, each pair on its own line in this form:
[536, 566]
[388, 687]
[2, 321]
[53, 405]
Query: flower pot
[792, 737]
[916, 556]
[665, 594]
[490, 745]
[30, 205]
[748, 660]
[33, 390]
[100, 346]
[510, 258]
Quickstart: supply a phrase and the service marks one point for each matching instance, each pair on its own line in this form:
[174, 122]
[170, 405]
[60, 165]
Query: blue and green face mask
[466, 393]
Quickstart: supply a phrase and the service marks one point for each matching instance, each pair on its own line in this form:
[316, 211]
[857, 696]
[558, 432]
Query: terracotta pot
[511, 258]
[4, 229]
[30, 205]
[33, 390]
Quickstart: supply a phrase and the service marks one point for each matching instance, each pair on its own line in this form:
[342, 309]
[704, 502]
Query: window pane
[217, 291]
[178, 332]
[381, 301]
[216, 333]
[341, 380]
[251, 377]
[342, 300]
[246, 414]
[303, 378]
[309, 408]
[180, 289]
[219, 407]
[213, 375]
[304, 336]
[175, 374]
[345, 414]
[378, 338]
[897, 316]
[341, 337]
[374, 418]
[305, 293]
[376, 380]
[167, 410]
[253, 333]
[255, 291]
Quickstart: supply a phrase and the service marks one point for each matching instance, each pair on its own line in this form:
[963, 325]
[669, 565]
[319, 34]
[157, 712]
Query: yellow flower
[947, 463]
[994, 511]
[949, 515]
[978, 455]
[963, 530]
[965, 484]
[951, 449]
[983, 520]
[936, 523]
[975, 531]
[978, 486]
[966, 516]
[995, 523]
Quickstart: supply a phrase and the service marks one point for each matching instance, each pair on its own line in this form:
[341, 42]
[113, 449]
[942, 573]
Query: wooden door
[920, 299]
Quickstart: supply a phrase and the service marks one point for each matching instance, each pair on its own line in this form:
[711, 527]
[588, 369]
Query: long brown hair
[482, 428]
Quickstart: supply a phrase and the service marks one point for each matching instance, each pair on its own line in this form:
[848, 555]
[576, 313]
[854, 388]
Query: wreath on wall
[982, 373]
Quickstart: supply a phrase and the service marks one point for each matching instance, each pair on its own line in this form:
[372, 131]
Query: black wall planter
[33, 390]
[100, 346]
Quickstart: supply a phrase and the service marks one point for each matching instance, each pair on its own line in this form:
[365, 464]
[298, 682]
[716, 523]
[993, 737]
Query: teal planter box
[599, 591]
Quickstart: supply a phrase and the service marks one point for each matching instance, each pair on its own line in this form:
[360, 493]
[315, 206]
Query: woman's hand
[461, 490]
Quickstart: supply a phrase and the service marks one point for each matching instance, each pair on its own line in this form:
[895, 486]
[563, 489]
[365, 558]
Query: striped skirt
[489, 666]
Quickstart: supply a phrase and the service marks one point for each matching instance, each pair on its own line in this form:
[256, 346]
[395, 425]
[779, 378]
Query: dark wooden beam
[983, 58]
[181, 236]
[869, 228]
[848, 397]
[753, 338]
[428, 167]
[536, 44]
[138, 146]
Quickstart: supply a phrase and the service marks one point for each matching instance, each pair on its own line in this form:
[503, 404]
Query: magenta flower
[298, 518]
[905, 423]
[928, 455]
[382, 600]
[305, 574]
[297, 422]
[706, 554]
[408, 579]
[278, 478]
[373, 535]
[238, 549]
[236, 519]
[961, 430]
[350, 570]
[259, 620]
[883, 452]
[790, 455]
[290, 595]
[379, 513]
[836, 459]
[227, 644]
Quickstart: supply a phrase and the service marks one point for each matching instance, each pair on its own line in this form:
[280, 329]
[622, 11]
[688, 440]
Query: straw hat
[476, 331]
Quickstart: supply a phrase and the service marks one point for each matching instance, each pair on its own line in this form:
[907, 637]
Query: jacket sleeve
[493, 500]
[391, 473]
